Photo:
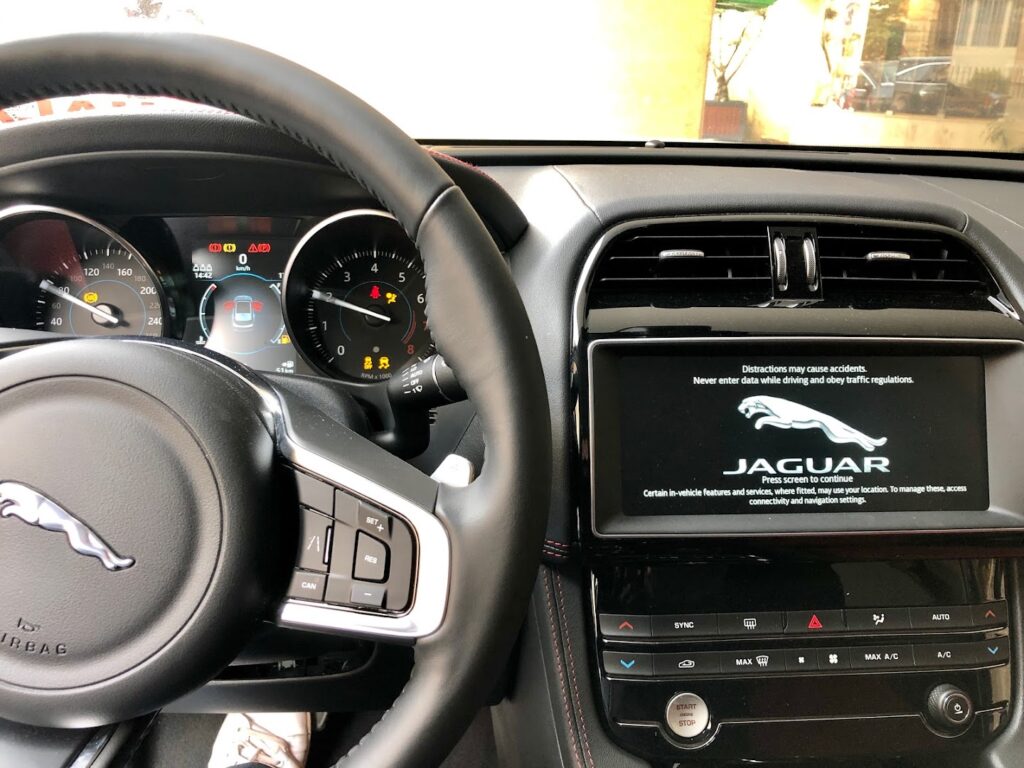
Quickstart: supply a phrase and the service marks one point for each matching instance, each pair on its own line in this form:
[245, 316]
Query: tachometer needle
[321, 296]
[102, 314]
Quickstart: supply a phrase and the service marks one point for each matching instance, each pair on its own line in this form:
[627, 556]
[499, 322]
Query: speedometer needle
[327, 298]
[102, 314]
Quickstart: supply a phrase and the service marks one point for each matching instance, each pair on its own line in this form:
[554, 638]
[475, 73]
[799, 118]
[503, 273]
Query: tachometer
[355, 297]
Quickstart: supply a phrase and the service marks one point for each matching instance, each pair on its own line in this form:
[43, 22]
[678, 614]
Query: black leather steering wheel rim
[477, 318]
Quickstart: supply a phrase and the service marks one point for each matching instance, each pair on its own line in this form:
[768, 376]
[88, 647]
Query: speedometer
[101, 292]
[355, 297]
[65, 273]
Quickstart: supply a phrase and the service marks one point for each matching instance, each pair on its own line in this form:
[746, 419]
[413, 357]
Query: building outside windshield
[916, 74]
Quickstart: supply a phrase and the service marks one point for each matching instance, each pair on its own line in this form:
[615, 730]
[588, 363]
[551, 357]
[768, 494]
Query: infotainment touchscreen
[687, 435]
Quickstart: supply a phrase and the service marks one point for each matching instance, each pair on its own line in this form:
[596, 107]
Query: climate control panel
[927, 667]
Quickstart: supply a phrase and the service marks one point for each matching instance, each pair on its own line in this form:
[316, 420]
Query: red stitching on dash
[555, 553]
[459, 161]
[569, 720]
[572, 669]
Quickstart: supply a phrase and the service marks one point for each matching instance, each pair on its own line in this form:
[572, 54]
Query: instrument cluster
[342, 296]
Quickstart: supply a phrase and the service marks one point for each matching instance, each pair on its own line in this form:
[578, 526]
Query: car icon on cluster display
[243, 311]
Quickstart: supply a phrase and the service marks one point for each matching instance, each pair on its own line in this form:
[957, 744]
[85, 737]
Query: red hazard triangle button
[814, 622]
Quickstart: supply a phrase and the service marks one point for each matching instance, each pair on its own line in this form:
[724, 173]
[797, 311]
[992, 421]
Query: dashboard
[340, 297]
[784, 385]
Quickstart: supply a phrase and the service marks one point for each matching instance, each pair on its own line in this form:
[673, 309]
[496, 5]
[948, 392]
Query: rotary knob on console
[949, 708]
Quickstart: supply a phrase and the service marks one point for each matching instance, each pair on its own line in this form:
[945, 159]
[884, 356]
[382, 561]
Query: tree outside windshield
[925, 74]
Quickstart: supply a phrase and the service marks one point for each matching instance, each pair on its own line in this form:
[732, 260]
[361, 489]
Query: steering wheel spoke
[372, 559]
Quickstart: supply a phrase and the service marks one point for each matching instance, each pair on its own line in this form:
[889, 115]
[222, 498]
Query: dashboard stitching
[559, 666]
[572, 668]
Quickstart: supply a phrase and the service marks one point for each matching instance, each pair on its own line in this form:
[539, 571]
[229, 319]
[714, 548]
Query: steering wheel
[173, 474]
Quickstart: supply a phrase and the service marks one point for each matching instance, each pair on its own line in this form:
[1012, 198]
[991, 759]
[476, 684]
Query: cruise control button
[306, 585]
[882, 657]
[314, 540]
[751, 662]
[943, 617]
[750, 623]
[625, 626]
[684, 625]
[632, 664]
[801, 661]
[877, 619]
[339, 589]
[833, 658]
[374, 522]
[371, 558]
[686, 664]
[370, 595]
[945, 655]
[346, 508]
[814, 622]
[314, 493]
[990, 614]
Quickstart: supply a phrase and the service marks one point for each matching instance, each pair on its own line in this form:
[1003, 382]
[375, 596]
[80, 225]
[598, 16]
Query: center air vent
[864, 265]
[723, 262]
[701, 263]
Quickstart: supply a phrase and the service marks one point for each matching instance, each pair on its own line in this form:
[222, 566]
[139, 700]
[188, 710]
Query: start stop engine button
[687, 715]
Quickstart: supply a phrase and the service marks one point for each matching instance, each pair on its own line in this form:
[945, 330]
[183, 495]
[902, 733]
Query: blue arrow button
[627, 665]
[992, 650]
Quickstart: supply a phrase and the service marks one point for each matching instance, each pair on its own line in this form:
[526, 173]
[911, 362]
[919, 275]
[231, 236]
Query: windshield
[918, 74]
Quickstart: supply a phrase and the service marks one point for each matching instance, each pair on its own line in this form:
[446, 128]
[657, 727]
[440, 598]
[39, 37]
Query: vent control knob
[780, 266]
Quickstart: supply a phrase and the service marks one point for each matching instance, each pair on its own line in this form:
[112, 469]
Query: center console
[801, 500]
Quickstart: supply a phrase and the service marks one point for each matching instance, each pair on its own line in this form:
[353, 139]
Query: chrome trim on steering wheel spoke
[433, 559]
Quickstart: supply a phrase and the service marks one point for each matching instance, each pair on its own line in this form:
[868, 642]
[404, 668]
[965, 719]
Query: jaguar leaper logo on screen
[785, 414]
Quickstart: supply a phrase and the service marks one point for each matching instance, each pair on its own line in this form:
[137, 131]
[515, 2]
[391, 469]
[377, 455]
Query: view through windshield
[930, 74]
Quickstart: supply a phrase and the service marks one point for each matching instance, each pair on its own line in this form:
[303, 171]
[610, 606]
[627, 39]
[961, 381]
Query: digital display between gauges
[239, 311]
[355, 297]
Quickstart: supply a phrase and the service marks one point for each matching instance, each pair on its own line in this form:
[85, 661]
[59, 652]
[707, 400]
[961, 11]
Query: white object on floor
[277, 739]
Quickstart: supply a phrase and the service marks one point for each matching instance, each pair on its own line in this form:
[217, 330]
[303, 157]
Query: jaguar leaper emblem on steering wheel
[785, 414]
[27, 504]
